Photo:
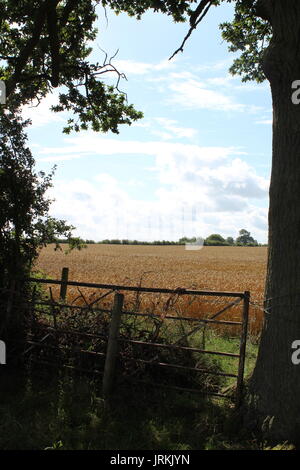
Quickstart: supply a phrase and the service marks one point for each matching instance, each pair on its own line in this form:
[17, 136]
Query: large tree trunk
[275, 385]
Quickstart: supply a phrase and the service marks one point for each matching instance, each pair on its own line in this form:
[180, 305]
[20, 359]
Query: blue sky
[197, 163]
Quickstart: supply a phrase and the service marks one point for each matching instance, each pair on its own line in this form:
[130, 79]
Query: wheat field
[211, 268]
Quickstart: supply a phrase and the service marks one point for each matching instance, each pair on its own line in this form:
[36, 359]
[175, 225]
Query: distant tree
[230, 241]
[215, 240]
[245, 239]
[184, 240]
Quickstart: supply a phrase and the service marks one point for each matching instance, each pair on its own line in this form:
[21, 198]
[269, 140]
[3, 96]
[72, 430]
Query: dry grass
[212, 268]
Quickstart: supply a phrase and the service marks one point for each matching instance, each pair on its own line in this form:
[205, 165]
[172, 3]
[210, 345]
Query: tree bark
[274, 391]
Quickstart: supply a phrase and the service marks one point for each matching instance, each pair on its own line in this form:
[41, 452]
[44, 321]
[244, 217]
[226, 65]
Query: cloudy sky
[197, 163]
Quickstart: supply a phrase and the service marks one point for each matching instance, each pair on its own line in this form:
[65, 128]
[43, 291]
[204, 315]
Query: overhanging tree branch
[195, 18]
[39, 22]
[46, 13]
[52, 21]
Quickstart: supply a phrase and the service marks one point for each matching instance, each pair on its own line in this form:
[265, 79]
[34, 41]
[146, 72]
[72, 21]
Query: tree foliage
[45, 45]
[245, 239]
[25, 223]
[249, 34]
[215, 239]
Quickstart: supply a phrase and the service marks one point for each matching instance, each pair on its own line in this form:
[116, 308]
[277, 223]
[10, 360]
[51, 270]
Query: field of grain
[211, 268]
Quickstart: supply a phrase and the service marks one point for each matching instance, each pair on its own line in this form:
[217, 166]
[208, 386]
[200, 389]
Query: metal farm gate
[131, 333]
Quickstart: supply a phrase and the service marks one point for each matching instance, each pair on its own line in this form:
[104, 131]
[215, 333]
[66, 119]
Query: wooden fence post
[240, 379]
[64, 285]
[112, 346]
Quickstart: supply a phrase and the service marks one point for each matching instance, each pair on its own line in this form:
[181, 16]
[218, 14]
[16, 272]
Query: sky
[197, 163]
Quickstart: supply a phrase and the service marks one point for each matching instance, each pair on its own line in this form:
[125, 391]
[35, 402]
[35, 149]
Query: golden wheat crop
[211, 268]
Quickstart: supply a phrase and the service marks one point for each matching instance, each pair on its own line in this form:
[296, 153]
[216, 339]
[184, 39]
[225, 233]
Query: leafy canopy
[249, 34]
[46, 44]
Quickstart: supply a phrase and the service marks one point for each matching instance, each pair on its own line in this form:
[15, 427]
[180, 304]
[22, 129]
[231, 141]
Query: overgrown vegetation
[51, 408]
[25, 223]
[77, 332]
[55, 409]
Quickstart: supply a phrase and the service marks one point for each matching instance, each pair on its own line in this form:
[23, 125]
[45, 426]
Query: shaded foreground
[56, 410]
[52, 409]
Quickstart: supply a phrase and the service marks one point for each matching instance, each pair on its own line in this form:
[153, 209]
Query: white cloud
[59, 158]
[101, 209]
[224, 185]
[196, 94]
[221, 82]
[234, 83]
[162, 135]
[166, 129]
[214, 66]
[93, 144]
[201, 190]
[133, 67]
[172, 126]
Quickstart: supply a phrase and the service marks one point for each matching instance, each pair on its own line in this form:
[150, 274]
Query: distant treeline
[215, 239]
